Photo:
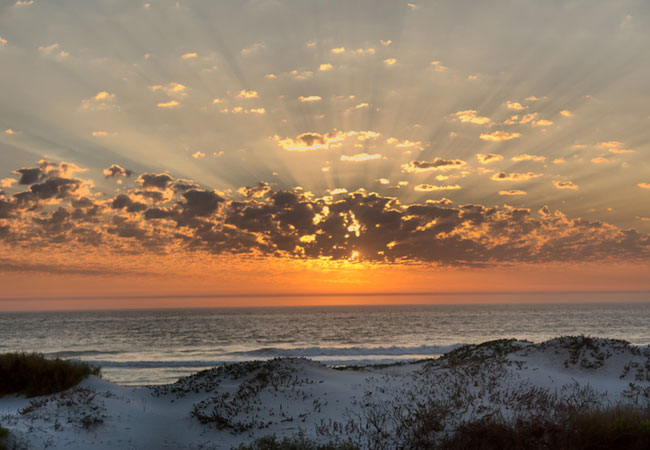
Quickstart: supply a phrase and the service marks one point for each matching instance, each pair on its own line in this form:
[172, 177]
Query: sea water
[136, 347]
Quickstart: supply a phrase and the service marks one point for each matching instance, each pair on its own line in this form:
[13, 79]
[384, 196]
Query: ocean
[136, 347]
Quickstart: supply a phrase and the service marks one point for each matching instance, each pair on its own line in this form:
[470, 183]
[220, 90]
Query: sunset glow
[200, 153]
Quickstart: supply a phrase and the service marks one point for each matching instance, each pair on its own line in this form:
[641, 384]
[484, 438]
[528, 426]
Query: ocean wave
[310, 352]
[339, 356]
[78, 353]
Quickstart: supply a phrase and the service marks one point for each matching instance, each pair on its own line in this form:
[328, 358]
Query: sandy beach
[372, 407]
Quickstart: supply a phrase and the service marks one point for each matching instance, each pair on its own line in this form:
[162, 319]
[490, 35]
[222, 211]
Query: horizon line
[330, 294]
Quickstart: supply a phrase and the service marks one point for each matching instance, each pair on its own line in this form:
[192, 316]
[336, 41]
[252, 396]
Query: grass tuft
[299, 442]
[32, 374]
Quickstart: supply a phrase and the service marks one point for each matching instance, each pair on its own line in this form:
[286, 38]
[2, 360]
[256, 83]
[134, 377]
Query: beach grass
[31, 374]
[299, 442]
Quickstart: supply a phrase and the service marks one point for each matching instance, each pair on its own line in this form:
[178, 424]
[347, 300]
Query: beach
[372, 407]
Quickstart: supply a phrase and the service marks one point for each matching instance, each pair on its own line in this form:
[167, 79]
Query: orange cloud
[311, 98]
[488, 158]
[360, 157]
[514, 176]
[168, 105]
[515, 106]
[470, 116]
[644, 185]
[565, 185]
[512, 192]
[248, 94]
[436, 164]
[498, 136]
[527, 157]
[325, 67]
[431, 188]
[191, 55]
[390, 61]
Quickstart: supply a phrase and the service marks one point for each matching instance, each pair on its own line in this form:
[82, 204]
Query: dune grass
[4, 435]
[32, 374]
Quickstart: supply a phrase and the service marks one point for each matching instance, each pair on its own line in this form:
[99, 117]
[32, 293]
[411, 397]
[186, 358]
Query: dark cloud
[30, 175]
[201, 203]
[295, 224]
[438, 163]
[115, 171]
[155, 181]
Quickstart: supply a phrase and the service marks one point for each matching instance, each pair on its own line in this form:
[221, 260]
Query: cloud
[99, 133]
[101, 101]
[191, 55]
[436, 164]
[3, 41]
[310, 141]
[515, 106]
[514, 176]
[172, 89]
[190, 222]
[325, 67]
[115, 171]
[7, 182]
[644, 185]
[53, 49]
[9, 131]
[338, 50]
[168, 105]
[24, 2]
[438, 67]
[565, 185]
[383, 181]
[609, 144]
[404, 144]
[390, 61]
[386, 43]
[527, 157]
[431, 187]
[253, 49]
[159, 181]
[487, 158]
[497, 136]
[512, 192]
[566, 113]
[198, 155]
[270, 76]
[248, 94]
[309, 99]
[360, 157]
[470, 116]
[317, 141]
[599, 160]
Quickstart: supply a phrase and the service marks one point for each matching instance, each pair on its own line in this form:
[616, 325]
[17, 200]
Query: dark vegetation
[32, 374]
[602, 429]
[614, 428]
[4, 437]
[298, 443]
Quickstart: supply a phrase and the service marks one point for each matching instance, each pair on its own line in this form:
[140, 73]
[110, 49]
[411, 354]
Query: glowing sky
[323, 146]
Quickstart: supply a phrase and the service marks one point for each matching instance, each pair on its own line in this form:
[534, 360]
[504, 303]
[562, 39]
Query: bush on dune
[32, 374]
[613, 428]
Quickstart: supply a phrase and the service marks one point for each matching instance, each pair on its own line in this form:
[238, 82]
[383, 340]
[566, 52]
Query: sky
[200, 148]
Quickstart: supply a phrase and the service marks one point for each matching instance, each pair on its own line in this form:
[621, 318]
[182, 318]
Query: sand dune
[374, 407]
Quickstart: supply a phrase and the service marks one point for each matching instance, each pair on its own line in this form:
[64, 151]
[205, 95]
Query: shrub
[32, 374]
[613, 428]
[4, 436]
[297, 443]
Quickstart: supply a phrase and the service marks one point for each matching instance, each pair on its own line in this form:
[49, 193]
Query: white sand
[288, 396]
